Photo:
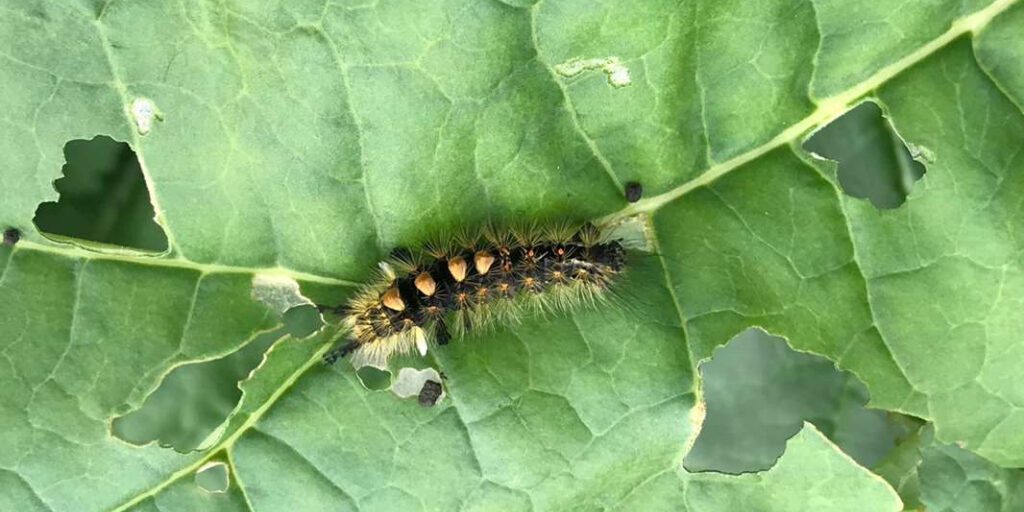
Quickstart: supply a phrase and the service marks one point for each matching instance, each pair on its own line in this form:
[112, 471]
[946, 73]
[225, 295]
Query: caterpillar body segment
[475, 281]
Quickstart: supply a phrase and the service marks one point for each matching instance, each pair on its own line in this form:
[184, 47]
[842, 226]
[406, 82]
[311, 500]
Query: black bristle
[332, 356]
[441, 333]
[401, 253]
[337, 310]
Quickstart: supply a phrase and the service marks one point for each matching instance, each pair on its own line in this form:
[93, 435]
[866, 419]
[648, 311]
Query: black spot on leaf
[11, 236]
[634, 191]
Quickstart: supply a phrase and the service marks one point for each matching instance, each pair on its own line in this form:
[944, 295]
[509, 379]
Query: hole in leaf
[758, 392]
[302, 321]
[283, 295]
[213, 477]
[873, 161]
[374, 379]
[193, 400]
[103, 198]
[410, 382]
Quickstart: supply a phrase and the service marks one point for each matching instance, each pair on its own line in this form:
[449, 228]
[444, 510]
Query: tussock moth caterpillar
[473, 281]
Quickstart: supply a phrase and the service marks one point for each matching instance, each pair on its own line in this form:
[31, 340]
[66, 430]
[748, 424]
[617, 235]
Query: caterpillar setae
[473, 281]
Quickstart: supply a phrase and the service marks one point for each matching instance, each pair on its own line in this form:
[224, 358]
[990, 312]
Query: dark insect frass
[634, 191]
[430, 393]
[11, 236]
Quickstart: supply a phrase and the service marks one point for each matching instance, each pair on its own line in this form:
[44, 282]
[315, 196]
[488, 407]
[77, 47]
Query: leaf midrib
[159, 261]
[827, 110]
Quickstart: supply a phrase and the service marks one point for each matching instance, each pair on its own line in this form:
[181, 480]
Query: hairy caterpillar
[473, 281]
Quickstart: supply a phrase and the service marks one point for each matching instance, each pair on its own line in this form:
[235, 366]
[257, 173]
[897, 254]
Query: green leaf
[941, 477]
[812, 475]
[87, 339]
[916, 302]
[304, 140]
[952, 478]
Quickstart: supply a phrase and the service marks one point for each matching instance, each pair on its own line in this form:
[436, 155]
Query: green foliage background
[306, 139]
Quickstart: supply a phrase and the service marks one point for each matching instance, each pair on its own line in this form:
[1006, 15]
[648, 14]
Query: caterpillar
[473, 281]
